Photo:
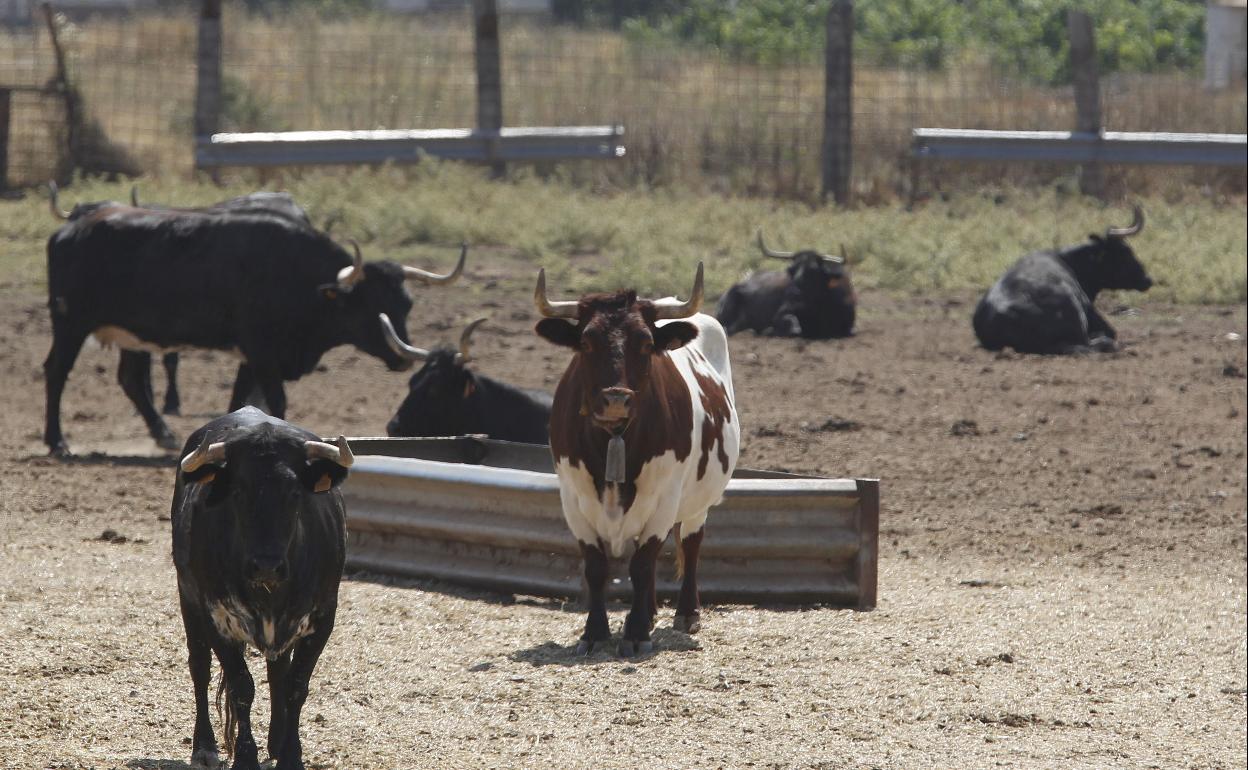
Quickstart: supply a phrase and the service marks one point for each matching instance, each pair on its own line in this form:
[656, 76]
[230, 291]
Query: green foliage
[1028, 37]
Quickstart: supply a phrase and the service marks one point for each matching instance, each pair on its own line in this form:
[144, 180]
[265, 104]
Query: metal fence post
[6, 104]
[208, 71]
[838, 113]
[489, 78]
[1087, 93]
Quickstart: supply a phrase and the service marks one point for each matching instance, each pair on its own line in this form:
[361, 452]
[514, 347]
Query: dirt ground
[1062, 567]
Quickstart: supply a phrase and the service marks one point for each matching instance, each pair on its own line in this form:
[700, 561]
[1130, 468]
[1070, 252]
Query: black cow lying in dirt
[259, 541]
[812, 298]
[447, 399]
[1044, 302]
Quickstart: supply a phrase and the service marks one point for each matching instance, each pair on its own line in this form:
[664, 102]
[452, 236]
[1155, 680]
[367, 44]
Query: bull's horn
[465, 341]
[205, 454]
[839, 259]
[762, 245]
[400, 348]
[134, 195]
[556, 309]
[339, 452]
[674, 308]
[1137, 223]
[56, 210]
[426, 277]
[350, 276]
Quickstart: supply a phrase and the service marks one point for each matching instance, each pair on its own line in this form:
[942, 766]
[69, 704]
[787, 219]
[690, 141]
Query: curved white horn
[205, 454]
[426, 277]
[56, 210]
[400, 348]
[350, 276]
[339, 452]
[674, 308]
[1137, 223]
[770, 252]
[465, 341]
[557, 309]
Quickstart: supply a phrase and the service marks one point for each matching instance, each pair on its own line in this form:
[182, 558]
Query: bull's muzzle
[267, 572]
[614, 405]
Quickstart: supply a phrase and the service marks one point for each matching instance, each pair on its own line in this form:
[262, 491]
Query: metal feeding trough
[486, 514]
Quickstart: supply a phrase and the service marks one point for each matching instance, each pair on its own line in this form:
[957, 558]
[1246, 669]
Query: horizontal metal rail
[775, 539]
[1080, 147]
[310, 148]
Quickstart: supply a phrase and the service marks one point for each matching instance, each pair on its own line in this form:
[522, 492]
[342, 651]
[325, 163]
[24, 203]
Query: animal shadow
[666, 640]
[158, 764]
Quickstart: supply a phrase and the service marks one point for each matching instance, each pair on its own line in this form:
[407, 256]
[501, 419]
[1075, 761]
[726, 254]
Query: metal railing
[1127, 147]
[308, 148]
[486, 514]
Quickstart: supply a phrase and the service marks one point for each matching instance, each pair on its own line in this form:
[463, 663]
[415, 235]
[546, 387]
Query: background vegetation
[1194, 247]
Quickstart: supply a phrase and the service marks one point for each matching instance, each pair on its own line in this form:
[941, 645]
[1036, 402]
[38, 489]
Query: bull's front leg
[307, 652]
[641, 617]
[240, 691]
[596, 627]
[199, 660]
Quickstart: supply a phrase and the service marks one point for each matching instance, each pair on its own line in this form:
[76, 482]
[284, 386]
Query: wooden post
[6, 104]
[68, 96]
[489, 79]
[208, 71]
[838, 113]
[1087, 93]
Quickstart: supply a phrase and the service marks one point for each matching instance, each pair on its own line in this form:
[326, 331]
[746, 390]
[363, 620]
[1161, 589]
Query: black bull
[812, 298]
[278, 294]
[1044, 303]
[134, 366]
[446, 398]
[259, 542]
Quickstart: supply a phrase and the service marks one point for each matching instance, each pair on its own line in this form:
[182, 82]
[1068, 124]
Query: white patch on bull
[232, 620]
[108, 336]
[269, 634]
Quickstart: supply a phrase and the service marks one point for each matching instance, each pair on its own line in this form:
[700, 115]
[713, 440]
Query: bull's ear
[674, 335]
[323, 475]
[559, 332]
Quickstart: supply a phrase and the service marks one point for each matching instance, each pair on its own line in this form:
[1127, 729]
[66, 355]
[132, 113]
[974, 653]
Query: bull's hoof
[207, 759]
[169, 442]
[688, 624]
[60, 450]
[628, 648]
[585, 646]
[172, 409]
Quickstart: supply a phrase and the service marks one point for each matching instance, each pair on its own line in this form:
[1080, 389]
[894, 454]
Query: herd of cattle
[642, 426]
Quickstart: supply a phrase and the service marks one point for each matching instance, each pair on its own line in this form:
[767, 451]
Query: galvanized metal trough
[485, 514]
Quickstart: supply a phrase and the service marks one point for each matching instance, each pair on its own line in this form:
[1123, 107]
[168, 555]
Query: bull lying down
[259, 539]
[446, 398]
[277, 293]
[1045, 302]
[813, 297]
[645, 436]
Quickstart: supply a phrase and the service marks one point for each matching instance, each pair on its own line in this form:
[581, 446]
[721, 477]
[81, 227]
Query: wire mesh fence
[694, 116]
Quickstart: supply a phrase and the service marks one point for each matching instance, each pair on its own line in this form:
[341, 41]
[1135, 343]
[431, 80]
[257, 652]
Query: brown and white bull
[645, 436]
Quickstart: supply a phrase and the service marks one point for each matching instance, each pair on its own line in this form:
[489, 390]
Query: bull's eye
[647, 348]
[586, 345]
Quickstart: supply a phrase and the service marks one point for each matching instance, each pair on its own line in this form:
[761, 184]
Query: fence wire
[694, 116]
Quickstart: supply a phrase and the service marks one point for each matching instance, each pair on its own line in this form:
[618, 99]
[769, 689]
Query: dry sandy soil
[1062, 578]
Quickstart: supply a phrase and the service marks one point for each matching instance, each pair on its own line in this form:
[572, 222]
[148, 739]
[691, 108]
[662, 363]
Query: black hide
[1044, 302]
[251, 282]
[447, 399]
[256, 517]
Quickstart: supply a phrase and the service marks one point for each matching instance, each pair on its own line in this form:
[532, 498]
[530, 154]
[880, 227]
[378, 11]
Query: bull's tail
[225, 712]
[680, 554]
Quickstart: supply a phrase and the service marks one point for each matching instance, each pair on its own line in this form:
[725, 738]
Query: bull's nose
[614, 403]
[266, 570]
